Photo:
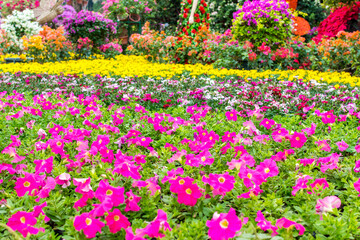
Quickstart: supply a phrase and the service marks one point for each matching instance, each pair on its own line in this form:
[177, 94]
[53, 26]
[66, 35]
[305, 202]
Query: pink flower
[224, 226]
[132, 202]
[157, 227]
[116, 221]
[105, 190]
[327, 204]
[231, 116]
[286, 223]
[320, 183]
[297, 140]
[28, 184]
[267, 123]
[268, 167]
[222, 183]
[328, 117]
[301, 183]
[130, 235]
[178, 183]
[88, 224]
[39, 210]
[254, 191]
[279, 134]
[323, 145]
[43, 166]
[357, 166]
[64, 180]
[102, 141]
[342, 145]
[262, 223]
[172, 174]
[30, 124]
[357, 186]
[24, 222]
[189, 194]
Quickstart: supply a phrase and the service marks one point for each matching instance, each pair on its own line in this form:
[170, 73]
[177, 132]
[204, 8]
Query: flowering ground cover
[131, 66]
[270, 95]
[74, 167]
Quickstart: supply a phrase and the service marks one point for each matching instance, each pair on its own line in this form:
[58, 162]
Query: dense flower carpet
[147, 151]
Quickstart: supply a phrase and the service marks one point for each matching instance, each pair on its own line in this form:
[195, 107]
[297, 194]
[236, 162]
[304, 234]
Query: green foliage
[221, 13]
[315, 13]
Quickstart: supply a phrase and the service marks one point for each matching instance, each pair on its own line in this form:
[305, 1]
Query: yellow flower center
[26, 184]
[22, 219]
[116, 218]
[88, 221]
[144, 139]
[71, 130]
[249, 175]
[231, 115]
[131, 198]
[58, 143]
[109, 192]
[297, 138]
[224, 223]
[279, 131]
[100, 141]
[181, 182]
[107, 151]
[267, 170]
[328, 116]
[203, 159]
[211, 138]
[267, 122]
[221, 179]
[188, 191]
[56, 129]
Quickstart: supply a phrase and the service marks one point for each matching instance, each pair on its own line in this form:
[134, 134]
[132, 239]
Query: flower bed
[270, 95]
[72, 166]
[130, 66]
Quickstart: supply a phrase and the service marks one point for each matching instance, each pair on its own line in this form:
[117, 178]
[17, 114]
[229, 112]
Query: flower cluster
[8, 6]
[337, 21]
[268, 20]
[20, 24]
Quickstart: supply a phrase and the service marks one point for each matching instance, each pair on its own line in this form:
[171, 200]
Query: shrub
[261, 21]
[20, 24]
[111, 50]
[92, 25]
[315, 13]
[221, 13]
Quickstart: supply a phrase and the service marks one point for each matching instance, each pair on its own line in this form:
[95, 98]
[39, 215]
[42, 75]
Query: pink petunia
[44, 166]
[105, 190]
[24, 222]
[327, 205]
[342, 145]
[254, 191]
[267, 123]
[328, 117]
[297, 140]
[28, 184]
[39, 210]
[221, 183]
[132, 202]
[286, 223]
[231, 116]
[224, 226]
[323, 145]
[268, 167]
[64, 180]
[157, 227]
[88, 224]
[319, 183]
[301, 183]
[262, 223]
[116, 221]
[189, 194]
[357, 186]
[280, 134]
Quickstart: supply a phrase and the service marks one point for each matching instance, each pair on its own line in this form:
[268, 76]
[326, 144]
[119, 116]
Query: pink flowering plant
[80, 162]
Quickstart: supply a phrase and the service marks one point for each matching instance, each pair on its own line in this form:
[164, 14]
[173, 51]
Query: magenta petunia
[24, 222]
[28, 184]
[286, 223]
[88, 224]
[116, 221]
[328, 117]
[221, 183]
[188, 194]
[263, 224]
[105, 190]
[342, 145]
[231, 116]
[157, 227]
[323, 145]
[132, 202]
[357, 186]
[224, 226]
[297, 140]
[267, 123]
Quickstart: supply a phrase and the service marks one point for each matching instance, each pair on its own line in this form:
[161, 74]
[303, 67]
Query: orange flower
[301, 26]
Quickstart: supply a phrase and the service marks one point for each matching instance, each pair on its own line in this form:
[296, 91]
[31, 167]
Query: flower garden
[238, 120]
